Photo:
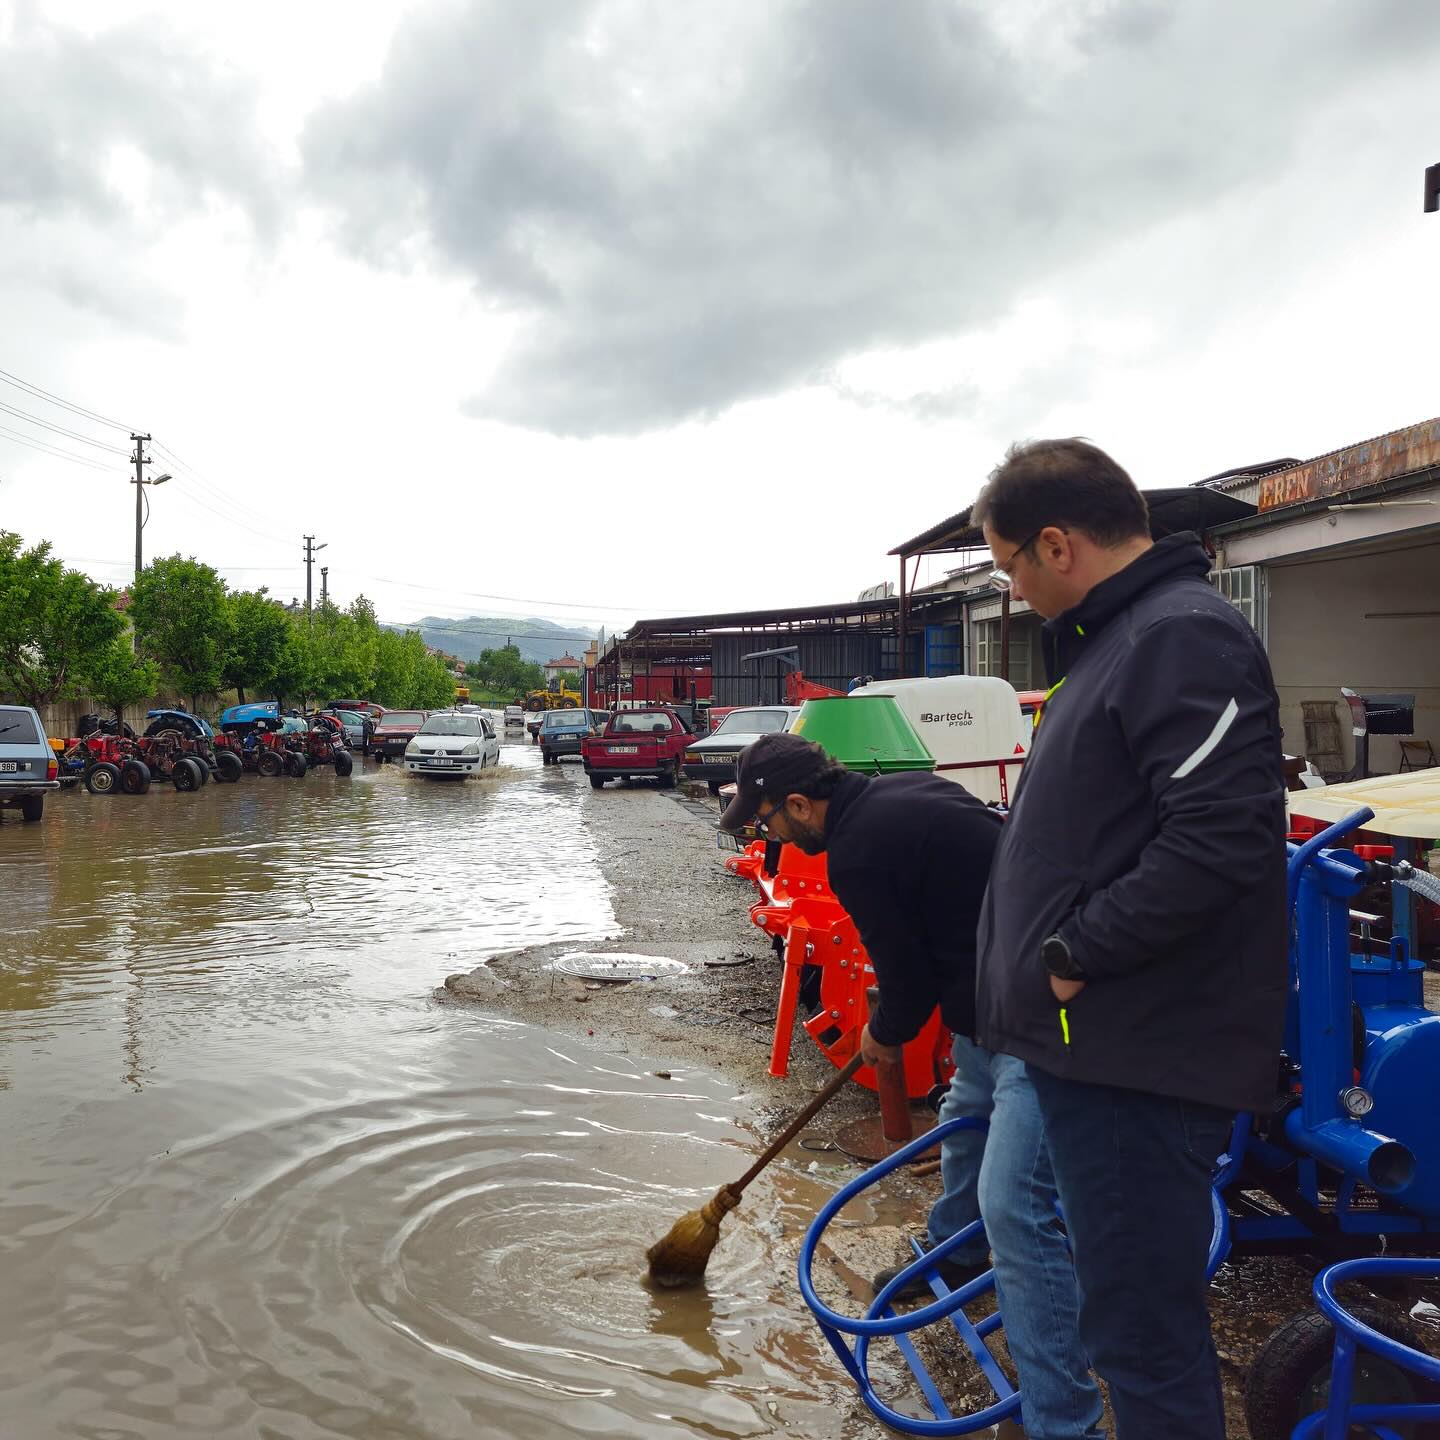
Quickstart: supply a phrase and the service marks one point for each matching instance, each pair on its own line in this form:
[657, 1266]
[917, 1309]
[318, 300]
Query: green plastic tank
[868, 733]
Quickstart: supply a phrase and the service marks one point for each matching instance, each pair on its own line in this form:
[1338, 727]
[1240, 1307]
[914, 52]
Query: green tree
[119, 677]
[506, 671]
[434, 683]
[294, 677]
[259, 630]
[54, 623]
[179, 611]
[344, 653]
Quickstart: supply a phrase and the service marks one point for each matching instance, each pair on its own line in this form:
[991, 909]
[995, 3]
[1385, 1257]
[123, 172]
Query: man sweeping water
[909, 858]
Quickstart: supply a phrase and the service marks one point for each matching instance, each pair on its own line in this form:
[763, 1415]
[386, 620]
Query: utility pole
[140, 459]
[324, 585]
[311, 551]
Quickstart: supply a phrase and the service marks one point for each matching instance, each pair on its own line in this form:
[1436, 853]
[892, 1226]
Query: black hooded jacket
[1148, 830]
[908, 857]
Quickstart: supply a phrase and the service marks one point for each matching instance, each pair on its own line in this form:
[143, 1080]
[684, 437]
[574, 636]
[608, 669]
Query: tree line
[185, 631]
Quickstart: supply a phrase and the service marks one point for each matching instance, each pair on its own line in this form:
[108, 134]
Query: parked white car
[514, 717]
[449, 744]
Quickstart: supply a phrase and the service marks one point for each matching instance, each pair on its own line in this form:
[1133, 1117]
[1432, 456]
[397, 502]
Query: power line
[55, 450]
[61, 430]
[194, 499]
[221, 497]
[42, 394]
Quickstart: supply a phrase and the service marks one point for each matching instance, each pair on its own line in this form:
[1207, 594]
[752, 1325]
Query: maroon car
[394, 730]
[637, 742]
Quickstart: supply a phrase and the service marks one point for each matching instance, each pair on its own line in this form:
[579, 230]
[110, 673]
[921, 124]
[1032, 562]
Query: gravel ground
[673, 898]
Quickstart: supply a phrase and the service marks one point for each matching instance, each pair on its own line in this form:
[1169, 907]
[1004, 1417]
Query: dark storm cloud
[690, 204]
[70, 102]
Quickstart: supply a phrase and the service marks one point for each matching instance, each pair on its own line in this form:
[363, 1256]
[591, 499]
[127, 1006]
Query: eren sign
[1401, 452]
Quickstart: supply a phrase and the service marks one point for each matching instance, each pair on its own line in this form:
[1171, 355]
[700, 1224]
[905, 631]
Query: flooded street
[257, 1182]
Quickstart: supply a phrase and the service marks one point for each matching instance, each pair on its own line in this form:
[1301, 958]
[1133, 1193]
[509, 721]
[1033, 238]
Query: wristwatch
[1058, 960]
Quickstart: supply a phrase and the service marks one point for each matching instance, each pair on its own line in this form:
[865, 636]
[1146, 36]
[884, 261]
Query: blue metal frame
[1320, 887]
[881, 1320]
[1352, 1336]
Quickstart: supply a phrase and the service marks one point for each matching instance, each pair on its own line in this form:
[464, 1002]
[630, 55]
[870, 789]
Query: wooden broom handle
[799, 1122]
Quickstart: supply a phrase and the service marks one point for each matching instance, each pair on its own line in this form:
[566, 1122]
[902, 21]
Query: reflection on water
[257, 1184]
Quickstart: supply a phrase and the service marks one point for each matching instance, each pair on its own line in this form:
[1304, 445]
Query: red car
[394, 730]
[637, 742]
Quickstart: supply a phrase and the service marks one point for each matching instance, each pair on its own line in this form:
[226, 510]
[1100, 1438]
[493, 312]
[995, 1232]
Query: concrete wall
[61, 721]
[1319, 638]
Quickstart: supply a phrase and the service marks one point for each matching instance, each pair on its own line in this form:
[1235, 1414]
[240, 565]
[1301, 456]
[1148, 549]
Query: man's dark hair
[820, 783]
[1069, 483]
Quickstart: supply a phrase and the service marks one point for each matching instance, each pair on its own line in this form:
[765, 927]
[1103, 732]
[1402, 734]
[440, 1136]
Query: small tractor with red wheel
[108, 756]
[180, 732]
[258, 735]
[325, 744]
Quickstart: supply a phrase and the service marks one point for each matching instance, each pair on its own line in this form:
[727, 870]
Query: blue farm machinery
[1344, 1168]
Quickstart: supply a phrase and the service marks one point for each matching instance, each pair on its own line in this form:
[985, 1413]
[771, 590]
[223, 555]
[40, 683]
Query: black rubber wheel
[186, 774]
[344, 763]
[32, 807]
[714, 786]
[597, 782]
[270, 763]
[546, 758]
[103, 778]
[134, 777]
[569, 704]
[230, 766]
[1290, 1378]
[296, 764]
[202, 767]
[670, 778]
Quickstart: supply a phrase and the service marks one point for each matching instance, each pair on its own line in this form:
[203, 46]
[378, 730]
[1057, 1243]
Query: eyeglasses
[1000, 576]
[762, 822]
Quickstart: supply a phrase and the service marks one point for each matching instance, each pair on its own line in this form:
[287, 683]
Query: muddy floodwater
[257, 1182]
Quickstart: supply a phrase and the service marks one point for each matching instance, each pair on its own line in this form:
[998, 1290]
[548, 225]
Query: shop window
[987, 652]
[1241, 586]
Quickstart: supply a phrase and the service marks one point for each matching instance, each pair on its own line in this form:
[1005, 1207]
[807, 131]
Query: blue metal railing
[1352, 1336]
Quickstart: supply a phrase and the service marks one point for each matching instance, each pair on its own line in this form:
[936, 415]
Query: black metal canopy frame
[1179, 507]
[685, 642]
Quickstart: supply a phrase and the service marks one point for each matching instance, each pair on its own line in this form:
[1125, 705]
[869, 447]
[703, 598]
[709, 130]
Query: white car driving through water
[454, 745]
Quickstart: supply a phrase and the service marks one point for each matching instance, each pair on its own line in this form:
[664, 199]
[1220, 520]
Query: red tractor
[325, 744]
[192, 736]
[108, 757]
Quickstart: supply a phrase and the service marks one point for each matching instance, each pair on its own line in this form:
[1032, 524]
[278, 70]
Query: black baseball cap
[769, 769]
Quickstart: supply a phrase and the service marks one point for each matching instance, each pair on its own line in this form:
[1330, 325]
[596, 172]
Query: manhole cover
[615, 966]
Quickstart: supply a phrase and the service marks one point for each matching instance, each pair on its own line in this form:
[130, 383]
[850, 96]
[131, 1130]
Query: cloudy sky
[605, 308]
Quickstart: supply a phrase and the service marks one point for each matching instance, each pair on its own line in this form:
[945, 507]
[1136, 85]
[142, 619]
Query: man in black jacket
[1132, 942]
[908, 856]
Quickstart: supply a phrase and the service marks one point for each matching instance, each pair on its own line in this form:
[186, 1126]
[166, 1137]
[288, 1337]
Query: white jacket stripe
[1198, 756]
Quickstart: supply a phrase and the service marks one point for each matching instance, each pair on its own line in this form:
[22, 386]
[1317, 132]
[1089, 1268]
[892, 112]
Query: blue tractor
[1345, 1164]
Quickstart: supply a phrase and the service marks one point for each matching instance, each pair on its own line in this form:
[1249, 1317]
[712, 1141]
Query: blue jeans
[1008, 1173]
[1133, 1172]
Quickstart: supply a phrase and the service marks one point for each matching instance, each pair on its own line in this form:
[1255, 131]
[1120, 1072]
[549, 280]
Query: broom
[680, 1258]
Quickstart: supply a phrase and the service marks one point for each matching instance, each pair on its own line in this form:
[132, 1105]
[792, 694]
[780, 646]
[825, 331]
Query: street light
[141, 520]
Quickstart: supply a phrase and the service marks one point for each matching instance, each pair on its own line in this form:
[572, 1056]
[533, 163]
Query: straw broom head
[680, 1258]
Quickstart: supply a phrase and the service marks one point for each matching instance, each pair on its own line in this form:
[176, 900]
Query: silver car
[28, 767]
[713, 758]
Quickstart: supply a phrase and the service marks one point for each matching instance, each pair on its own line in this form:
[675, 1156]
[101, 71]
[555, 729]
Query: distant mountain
[537, 640]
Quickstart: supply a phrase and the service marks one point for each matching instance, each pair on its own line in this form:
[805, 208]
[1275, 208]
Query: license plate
[8, 765]
[726, 841]
[438, 760]
[624, 749]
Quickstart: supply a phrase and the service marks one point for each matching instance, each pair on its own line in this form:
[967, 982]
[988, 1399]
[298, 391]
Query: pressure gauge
[1357, 1101]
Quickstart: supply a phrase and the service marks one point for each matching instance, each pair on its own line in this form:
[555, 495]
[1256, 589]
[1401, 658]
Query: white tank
[971, 724]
